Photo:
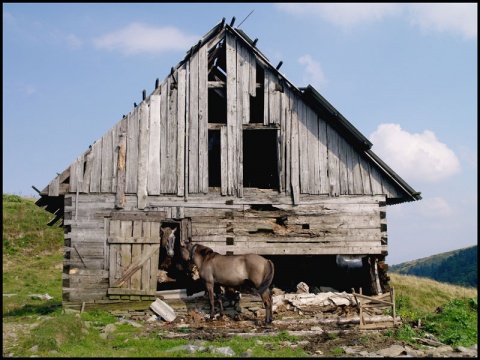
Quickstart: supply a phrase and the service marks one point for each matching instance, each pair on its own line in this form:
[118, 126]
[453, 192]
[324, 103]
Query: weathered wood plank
[132, 152]
[115, 147]
[365, 170]
[164, 141]
[136, 255]
[273, 98]
[295, 153]
[303, 148]
[342, 158]
[181, 113]
[115, 261]
[202, 120]
[312, 144]
[232, 183]
[126, 249]
[252, 69]
[223, 160]
[96, 174]
[193, 126]
[142, 176]
[121, 164]
[76, 174]
[134, 239]
[153, 177]
[333, 162]
[171, 140]
[88, 171]
[107, 162]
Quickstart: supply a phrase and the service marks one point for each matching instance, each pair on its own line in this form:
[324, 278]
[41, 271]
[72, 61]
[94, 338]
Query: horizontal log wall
[262, 222]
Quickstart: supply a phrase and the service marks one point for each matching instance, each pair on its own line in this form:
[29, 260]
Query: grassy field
[32, 264]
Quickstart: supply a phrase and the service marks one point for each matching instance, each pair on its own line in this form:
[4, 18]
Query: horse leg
[267, 302]
[218, 292]
[209, 287]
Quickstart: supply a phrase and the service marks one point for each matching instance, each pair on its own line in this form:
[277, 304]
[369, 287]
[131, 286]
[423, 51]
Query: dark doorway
[260, 162]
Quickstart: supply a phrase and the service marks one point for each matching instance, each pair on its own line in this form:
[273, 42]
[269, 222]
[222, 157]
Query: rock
[110, 328]
[227, 350]
[392, 351]
[34, 348]
[471, 351]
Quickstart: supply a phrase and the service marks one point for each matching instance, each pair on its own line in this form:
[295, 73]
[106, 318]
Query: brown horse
[232, 270]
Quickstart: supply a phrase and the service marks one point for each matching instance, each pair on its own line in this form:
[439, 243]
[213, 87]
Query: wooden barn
[237, 158]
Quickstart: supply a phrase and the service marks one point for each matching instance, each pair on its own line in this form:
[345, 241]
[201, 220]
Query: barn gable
[236, 155]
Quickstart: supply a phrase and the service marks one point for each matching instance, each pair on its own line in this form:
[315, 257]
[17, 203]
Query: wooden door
[134, 249]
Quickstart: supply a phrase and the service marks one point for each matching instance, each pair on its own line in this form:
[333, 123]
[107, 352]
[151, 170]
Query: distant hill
[458, 267]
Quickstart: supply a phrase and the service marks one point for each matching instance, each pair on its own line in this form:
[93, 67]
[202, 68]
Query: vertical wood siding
[167, 140]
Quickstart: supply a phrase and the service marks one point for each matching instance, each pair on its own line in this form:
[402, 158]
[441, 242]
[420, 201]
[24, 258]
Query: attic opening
[260, 160]
[217, 78]
[257, 101]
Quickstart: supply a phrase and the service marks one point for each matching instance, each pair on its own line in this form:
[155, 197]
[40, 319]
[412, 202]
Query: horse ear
[173, 231]
[161, 230]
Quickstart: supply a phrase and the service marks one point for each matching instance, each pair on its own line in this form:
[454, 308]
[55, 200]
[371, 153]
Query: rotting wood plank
[153, 177]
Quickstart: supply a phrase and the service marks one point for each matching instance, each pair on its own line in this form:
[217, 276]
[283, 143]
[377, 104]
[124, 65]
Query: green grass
[32, 264]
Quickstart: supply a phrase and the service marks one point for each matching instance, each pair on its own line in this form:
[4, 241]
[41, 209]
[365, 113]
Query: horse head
[168, 240]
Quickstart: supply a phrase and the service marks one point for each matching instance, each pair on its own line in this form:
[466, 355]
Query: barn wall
[261, 222]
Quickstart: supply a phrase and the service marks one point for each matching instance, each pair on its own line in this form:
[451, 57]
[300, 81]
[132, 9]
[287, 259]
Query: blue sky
[405, 75]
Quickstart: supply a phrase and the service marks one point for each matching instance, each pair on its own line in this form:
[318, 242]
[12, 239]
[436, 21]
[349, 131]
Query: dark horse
[167, 247]
[229, 271]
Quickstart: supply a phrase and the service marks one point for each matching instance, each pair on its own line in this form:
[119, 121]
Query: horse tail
[268, 278]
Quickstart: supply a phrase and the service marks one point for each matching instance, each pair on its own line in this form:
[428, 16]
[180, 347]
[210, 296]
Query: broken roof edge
[414, 195]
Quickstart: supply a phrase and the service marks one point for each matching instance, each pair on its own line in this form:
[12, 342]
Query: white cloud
[419, 157]
[434, 207]
[456, 18]
[461, 18]
[140, 38]
[73, 41]
[313, 72]
[344, 15]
